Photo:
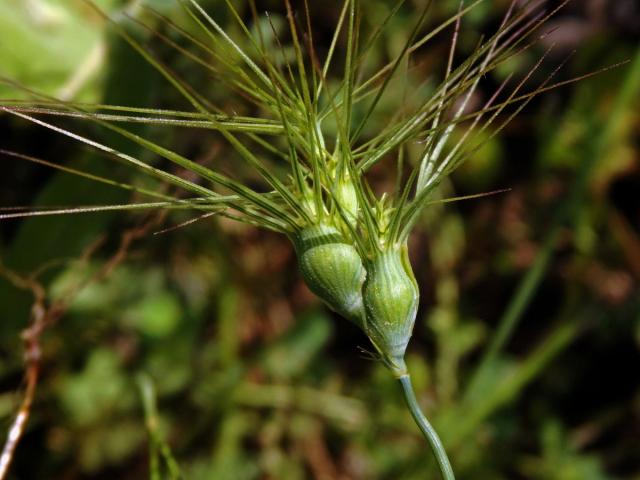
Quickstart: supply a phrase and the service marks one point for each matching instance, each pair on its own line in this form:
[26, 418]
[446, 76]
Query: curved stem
[430, 434]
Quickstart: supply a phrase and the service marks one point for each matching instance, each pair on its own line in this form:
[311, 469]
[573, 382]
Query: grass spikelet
[314, 122]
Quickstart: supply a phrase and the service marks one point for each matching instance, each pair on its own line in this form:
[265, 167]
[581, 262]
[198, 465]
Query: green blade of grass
[602, 135]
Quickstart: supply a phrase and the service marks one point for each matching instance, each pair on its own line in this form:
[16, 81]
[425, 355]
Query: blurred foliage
[205, 342]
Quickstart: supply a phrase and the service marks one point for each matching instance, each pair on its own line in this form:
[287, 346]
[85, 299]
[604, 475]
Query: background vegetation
[204, 339]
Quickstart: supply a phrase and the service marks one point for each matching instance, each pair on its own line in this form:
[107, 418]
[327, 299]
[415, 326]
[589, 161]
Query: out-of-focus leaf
[157, 316]
[291, 355]
[101, 389]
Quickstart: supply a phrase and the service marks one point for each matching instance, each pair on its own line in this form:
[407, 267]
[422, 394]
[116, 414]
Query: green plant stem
[158, 448]
[428, 431]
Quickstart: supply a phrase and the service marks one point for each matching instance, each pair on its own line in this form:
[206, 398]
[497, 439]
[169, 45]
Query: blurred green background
[243, 372]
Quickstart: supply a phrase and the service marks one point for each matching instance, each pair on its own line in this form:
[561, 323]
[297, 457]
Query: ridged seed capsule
[390, 297]
[332, 269]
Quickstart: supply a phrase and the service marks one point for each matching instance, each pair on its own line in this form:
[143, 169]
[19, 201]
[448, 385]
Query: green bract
[332, 268]
[346, 198]
[391, 303]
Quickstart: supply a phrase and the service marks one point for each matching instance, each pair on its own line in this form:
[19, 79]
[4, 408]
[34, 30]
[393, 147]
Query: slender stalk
[427, 430]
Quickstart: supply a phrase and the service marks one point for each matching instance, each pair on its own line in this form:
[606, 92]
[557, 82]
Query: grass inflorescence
[314, 117]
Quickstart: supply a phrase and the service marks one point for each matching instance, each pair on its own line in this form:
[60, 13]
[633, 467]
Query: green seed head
[332, 269]
[390, 296]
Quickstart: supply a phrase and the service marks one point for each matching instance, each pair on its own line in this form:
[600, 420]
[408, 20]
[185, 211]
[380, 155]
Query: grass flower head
[313, 143]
